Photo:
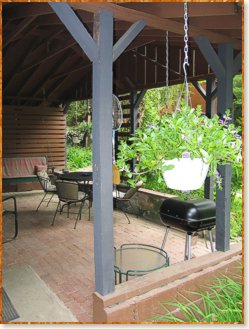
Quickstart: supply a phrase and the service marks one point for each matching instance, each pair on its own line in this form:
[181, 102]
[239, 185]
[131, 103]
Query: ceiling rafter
[36, 84]
[23, 10]
[165, 24]
[10, 71]
[55, 68]
[52, 54]
[175, 10]
[18, 30]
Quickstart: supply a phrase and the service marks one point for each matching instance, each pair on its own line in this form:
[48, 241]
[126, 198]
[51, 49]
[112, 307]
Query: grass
[236, 217]
[78, 157]
[220, 302]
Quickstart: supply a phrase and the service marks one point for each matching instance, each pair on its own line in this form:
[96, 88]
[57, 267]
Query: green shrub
[236, 217]
[221, 302]
[78, 157]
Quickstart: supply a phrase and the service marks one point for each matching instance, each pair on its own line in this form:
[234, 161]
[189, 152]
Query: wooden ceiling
[42, 63]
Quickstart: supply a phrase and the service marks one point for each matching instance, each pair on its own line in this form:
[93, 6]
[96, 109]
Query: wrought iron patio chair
[87, 188]
[68, 194]
[47, 186]
[124, 203]
[12, 212]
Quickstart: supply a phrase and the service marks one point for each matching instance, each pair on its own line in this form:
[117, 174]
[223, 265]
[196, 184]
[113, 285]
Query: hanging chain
[167, 65]
[186, 61]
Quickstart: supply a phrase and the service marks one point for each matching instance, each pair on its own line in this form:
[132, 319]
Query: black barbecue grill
[190, 216]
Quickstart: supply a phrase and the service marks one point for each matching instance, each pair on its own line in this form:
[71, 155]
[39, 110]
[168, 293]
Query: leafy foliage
[237, 90]
[156, 102]
[221, 302]
[78, 125]
[173, 134]
[78, 157]
[236, 217]
[77, 112]
[79, 132]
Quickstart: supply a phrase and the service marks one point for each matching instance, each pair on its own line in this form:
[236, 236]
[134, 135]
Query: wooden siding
[35, 131]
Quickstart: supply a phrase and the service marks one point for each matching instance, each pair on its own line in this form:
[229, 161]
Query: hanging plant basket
[187, 174]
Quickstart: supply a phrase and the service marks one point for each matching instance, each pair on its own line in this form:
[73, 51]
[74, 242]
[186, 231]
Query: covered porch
[63, 258]
[92, 50]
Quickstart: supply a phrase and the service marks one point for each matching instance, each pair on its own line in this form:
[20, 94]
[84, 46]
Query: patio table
[137, 260]
[77, 176]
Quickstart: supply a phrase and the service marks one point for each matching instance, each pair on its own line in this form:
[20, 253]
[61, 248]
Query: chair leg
[126, 216]
[50, 199]
[79, 213]
[89, 208]
[56, 213]
[165, 237]
[41, 201]
[16, 221]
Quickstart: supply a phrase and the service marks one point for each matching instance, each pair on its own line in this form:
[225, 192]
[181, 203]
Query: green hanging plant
[215, 140]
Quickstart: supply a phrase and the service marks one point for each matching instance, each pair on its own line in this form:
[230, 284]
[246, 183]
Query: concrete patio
[63, 257]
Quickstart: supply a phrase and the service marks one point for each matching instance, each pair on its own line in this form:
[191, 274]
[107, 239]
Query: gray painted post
[223, 197]
[210, 86]
[223, 66]
[223, 202]
[102, 154]
[100, 52]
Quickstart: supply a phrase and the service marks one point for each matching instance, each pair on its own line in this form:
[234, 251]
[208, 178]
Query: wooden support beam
[237, 63]
[102, 154]
[174, 9]
[223, 202]
[210, 88]
[199, 88]
[127, 38]
[211, 56]
[139, 98]
[223, 66]
[76, 28]
[156, 62]
[210, 111]
[225, 82]
[165, 24]
[223, 198]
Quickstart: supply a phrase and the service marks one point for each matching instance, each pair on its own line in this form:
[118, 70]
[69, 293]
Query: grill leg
[165, 237]
[188, 240]
[211, 240]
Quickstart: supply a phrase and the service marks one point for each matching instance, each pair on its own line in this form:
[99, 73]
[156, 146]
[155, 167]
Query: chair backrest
[67, 190]
[129, 194]
[43, 179]
[133, 190]
[116, 175]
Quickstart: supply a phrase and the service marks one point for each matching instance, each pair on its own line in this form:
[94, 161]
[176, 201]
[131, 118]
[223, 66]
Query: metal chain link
[186, 60]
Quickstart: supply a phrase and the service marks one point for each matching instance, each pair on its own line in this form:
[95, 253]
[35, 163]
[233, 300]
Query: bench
[21, 169]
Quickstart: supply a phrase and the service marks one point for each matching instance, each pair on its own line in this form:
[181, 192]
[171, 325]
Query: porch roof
[42, 61]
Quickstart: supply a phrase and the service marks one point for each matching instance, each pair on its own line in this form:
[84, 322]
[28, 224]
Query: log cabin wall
[34, 131]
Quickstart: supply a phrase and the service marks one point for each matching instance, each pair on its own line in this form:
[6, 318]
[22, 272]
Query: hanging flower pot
[187, 174]
[209, 142]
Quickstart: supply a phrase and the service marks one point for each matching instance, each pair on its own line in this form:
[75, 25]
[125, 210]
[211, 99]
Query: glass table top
[139, 259]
